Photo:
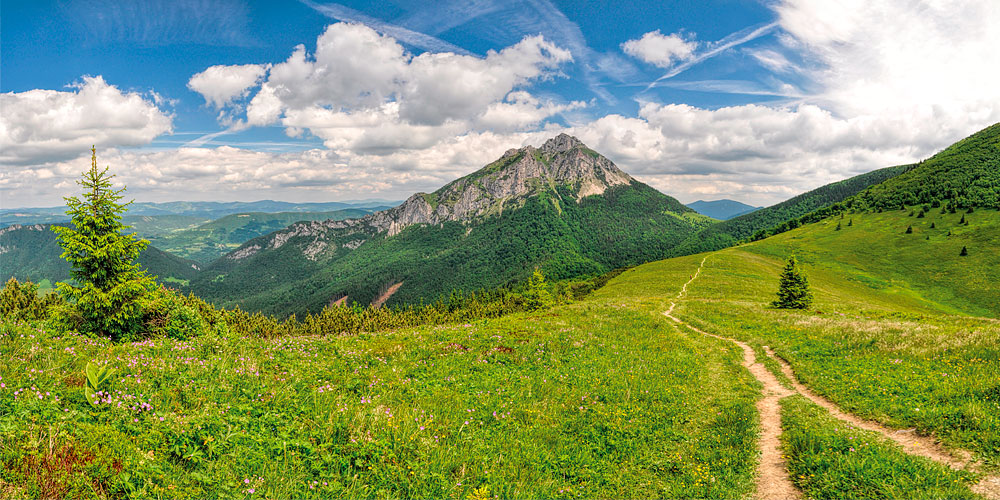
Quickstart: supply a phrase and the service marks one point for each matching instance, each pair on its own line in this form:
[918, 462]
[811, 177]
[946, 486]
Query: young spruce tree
[793, 292]
[537, 296]
[108, 283]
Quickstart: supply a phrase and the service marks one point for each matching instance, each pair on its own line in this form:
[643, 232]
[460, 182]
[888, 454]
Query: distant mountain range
[722, 209]
[203, 211]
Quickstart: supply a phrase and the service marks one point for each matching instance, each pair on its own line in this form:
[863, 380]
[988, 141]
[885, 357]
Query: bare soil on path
[773, 481]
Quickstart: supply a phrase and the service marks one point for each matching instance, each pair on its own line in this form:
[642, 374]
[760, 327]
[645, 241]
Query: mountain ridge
[516, 175]
[562, 207]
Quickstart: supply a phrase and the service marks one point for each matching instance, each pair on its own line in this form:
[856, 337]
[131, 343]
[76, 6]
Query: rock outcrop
[562, 161]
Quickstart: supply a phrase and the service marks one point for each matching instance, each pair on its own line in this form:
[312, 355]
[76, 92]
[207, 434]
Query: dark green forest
[728, 233]
[965, 176]
[32, 253]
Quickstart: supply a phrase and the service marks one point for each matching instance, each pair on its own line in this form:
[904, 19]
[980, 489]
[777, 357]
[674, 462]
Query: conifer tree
[793, 290]
[537, 296]
[107, 284]
[932, 225]
[850, 223]
[964, 252]
[909, 229]
[963, 220]
[838, 227]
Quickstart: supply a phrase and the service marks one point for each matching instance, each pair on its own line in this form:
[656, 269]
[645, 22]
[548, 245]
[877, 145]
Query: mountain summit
[507, 182]
[561, 206]
[504, 184]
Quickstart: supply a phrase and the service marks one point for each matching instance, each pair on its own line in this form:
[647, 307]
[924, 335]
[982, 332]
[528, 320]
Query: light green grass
[594, 400]
[889, 351]
[829, 459]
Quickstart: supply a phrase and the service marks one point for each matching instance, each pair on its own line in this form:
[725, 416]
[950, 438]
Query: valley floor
[887, 387]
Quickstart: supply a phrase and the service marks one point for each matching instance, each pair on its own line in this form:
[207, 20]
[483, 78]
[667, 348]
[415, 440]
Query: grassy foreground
[589, 400]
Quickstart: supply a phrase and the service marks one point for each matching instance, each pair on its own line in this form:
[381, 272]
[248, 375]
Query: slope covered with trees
[967, 174]
[32, 253]
[964, 176]
[732, 231]
[561, 207]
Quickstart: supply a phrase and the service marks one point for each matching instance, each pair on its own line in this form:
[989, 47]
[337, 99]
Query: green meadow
[603, 397]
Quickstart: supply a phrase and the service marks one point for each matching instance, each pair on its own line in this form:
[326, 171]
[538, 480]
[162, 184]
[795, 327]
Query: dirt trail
[908, 439]
[773, 481]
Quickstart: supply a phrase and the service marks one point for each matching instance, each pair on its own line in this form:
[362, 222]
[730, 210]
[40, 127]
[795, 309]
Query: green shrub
[20, 301]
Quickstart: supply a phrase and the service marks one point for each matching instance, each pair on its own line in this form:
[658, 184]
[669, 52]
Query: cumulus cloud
[362, 90]
[882, 84]
[45, 125]
[660, 50]
[221, 85]
[890, 83]
[230, 173]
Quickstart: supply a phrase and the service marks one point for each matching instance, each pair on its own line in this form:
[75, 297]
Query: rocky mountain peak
[560, 143]
[563, 165]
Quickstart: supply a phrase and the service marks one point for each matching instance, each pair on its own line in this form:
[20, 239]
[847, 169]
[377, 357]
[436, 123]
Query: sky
[307, 100]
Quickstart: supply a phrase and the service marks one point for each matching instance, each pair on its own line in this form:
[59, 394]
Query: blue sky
[750, 100]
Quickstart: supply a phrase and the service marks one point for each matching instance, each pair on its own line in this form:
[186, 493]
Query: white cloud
[882, 84]
[930, 57]
[362, 91]
[44, 125]
[227, 173]
[660, 50]
[221, 85]
[771, 59]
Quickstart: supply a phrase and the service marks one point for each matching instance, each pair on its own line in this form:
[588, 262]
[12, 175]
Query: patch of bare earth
[384, 296]
[773, 482]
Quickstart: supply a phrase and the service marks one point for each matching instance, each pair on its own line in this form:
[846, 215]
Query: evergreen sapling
[793, 290]
[107, 285]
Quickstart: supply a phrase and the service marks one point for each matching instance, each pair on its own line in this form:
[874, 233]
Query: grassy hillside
[150, 226]
[727, 233]
[889, 337]
[538, 406]
[626, 226]
[32, 253]
[211, 240]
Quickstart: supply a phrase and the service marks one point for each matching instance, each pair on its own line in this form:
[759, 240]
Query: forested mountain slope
[562, 207]
[728, 233]
[211, 240]
[32, 253]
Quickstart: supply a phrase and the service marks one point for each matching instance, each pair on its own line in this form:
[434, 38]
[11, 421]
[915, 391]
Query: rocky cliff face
[507, 182]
